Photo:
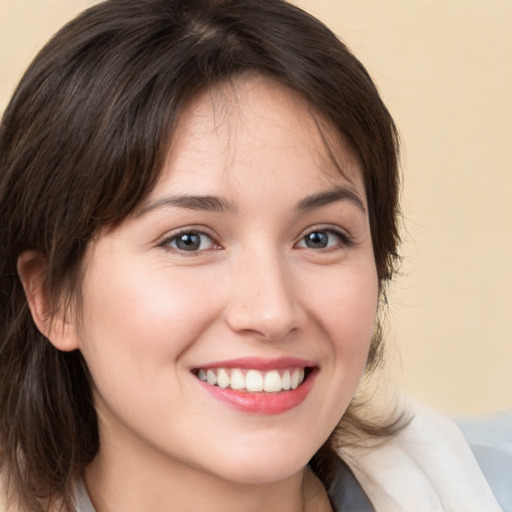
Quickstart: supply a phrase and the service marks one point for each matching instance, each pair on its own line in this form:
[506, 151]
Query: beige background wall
[445, 70]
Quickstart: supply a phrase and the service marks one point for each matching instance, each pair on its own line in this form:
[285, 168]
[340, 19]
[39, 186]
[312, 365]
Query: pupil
[317, 240]
[188, 242]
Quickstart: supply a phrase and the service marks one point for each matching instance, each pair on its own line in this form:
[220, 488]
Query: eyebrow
[191, 202]
[219, 204]
[330, 196]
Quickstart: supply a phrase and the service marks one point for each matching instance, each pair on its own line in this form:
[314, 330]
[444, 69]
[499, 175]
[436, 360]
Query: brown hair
[82, 143]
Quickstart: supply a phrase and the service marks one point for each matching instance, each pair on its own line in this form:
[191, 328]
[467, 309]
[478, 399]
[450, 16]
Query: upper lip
[257, 363]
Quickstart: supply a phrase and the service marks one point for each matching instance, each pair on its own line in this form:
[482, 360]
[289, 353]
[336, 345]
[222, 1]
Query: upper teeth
[272, 381]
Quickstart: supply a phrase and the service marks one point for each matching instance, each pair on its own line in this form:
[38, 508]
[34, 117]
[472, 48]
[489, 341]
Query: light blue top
[490, 439]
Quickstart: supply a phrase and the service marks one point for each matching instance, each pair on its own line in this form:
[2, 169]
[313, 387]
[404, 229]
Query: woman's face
[250, 265]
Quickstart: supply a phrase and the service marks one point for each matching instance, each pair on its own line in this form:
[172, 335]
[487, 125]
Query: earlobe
[52, 324]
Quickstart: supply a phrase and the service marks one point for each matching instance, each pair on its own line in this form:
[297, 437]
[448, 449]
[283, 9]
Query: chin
[260, 474]
[266, 463]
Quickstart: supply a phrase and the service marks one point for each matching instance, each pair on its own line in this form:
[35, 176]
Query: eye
[190, 241]
[323, 239]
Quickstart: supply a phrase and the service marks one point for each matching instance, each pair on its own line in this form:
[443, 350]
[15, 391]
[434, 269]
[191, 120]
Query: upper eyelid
[173, 234]
[322, 230]
[345, 236]
[193, 228]
[345, 240]
[337, 230]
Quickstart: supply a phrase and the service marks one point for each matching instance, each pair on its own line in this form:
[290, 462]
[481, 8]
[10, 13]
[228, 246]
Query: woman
[199, 217]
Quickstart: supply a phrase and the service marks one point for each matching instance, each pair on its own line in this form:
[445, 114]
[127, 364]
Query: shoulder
[3, 500]
[3, 494]
[428, 466]
[11, 505]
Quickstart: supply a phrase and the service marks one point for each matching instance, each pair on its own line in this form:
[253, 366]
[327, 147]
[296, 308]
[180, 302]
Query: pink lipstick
[256, 385]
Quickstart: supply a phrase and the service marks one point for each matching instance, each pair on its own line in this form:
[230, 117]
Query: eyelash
[191, 232]
[344, 240]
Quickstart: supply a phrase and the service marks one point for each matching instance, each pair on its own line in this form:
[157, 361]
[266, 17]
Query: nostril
[265, 322]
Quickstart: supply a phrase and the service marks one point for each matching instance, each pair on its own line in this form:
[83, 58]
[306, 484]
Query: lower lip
[262, 402]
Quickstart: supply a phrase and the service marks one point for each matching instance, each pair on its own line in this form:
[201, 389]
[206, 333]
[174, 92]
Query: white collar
[427, 467]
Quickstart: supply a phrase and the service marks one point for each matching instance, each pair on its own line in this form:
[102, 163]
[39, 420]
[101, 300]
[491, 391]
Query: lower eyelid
[166, 243]
[343, 238]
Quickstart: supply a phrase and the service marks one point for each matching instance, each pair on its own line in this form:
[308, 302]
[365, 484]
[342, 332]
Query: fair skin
[273, 273]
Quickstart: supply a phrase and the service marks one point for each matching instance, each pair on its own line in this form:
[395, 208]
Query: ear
[53, 325]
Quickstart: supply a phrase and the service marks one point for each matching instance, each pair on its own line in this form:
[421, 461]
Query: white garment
[82, 500]
[427, 467]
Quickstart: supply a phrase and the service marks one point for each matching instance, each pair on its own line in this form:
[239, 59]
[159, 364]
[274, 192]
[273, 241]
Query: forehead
[258, 130]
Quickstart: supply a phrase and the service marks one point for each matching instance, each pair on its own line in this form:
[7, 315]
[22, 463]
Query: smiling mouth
[252, 380]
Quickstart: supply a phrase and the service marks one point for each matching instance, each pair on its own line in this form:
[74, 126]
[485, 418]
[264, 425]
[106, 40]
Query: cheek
[348, 309]
[347, 314]
[135, 321]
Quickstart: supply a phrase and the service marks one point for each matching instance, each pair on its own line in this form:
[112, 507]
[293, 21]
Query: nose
[264, 298]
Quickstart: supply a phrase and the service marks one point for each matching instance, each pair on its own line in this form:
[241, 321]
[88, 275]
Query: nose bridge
[263, 299]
